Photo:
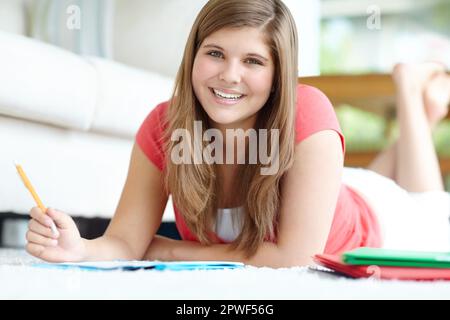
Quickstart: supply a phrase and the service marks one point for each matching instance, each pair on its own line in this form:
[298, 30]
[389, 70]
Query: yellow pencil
[30, 188]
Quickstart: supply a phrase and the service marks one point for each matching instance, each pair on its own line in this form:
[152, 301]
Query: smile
[226, 98]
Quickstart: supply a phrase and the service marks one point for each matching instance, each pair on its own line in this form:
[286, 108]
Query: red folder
[335, 263]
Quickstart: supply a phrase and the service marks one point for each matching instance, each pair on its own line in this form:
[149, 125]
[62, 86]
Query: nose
[231, 72]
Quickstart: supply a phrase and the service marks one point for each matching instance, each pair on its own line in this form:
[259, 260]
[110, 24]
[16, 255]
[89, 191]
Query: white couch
[70, 120]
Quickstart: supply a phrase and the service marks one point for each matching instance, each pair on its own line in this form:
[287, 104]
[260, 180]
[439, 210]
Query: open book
[132, 265]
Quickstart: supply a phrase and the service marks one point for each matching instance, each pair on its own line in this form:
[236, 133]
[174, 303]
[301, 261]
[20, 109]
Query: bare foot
[437, 98]
[414, 77]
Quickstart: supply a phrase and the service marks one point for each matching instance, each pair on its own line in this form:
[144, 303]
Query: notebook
[335, 263]
[127, 265]
[398, 258]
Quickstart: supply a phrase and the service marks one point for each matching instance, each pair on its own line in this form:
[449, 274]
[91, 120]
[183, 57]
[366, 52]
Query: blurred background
[78, 77]
[363, 37]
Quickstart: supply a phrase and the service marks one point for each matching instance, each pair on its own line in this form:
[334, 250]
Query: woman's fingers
[34, 249]
[35, 238]
[41, 217]
[62, 220]
[38, 228]
[44, 253]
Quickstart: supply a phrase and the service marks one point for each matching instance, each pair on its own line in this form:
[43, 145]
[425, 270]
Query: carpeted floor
[18, 280]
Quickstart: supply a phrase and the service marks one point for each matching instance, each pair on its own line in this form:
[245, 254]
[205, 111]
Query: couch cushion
[46, 84]
[125, 96]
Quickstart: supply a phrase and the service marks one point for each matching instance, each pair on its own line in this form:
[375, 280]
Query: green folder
[396, 258]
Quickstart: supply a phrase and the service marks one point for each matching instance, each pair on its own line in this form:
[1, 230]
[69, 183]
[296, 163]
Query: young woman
[239, 71]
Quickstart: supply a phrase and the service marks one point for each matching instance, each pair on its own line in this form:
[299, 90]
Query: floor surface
[19, 280]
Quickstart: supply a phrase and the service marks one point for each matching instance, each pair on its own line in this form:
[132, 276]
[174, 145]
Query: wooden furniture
[371, 92]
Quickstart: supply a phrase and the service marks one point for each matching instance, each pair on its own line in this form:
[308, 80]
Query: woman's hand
[64, 246]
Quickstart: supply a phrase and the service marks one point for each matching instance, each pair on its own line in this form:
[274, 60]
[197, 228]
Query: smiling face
[232, 76]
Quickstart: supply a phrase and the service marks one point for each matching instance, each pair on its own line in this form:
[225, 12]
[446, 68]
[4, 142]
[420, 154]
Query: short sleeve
[314, 113]
[149, 137]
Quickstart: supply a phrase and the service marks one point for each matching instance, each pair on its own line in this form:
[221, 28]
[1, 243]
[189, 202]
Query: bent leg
[385, 162]
[417, 165]
[436, 95]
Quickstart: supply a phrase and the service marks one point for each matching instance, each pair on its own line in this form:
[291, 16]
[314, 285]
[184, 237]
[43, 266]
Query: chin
[222, 119]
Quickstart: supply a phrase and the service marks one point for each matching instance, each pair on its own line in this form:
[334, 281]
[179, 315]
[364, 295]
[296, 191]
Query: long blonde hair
[195, 188]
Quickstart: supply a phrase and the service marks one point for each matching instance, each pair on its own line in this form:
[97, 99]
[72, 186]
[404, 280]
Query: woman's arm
[134, 224]
[309, 197]
[166, 249]
[308, 201]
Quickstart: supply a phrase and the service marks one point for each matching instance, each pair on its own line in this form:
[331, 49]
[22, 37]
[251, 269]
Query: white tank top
[229, 223]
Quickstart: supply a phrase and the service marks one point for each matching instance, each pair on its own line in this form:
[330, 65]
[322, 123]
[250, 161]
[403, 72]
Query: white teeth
[227, 95]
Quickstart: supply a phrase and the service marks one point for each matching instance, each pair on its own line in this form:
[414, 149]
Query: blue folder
[127, 265]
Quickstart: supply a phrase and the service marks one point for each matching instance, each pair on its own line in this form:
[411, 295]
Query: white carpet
[18, 280]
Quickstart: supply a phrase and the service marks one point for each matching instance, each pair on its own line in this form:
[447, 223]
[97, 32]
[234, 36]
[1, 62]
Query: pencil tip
[15, 163]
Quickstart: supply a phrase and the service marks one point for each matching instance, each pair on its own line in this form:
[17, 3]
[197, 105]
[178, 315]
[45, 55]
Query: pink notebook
[381, 272]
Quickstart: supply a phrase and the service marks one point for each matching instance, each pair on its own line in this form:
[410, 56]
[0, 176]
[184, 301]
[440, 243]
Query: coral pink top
[354, 224]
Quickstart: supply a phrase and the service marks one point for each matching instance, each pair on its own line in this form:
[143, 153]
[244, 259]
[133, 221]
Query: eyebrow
[248, 54]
